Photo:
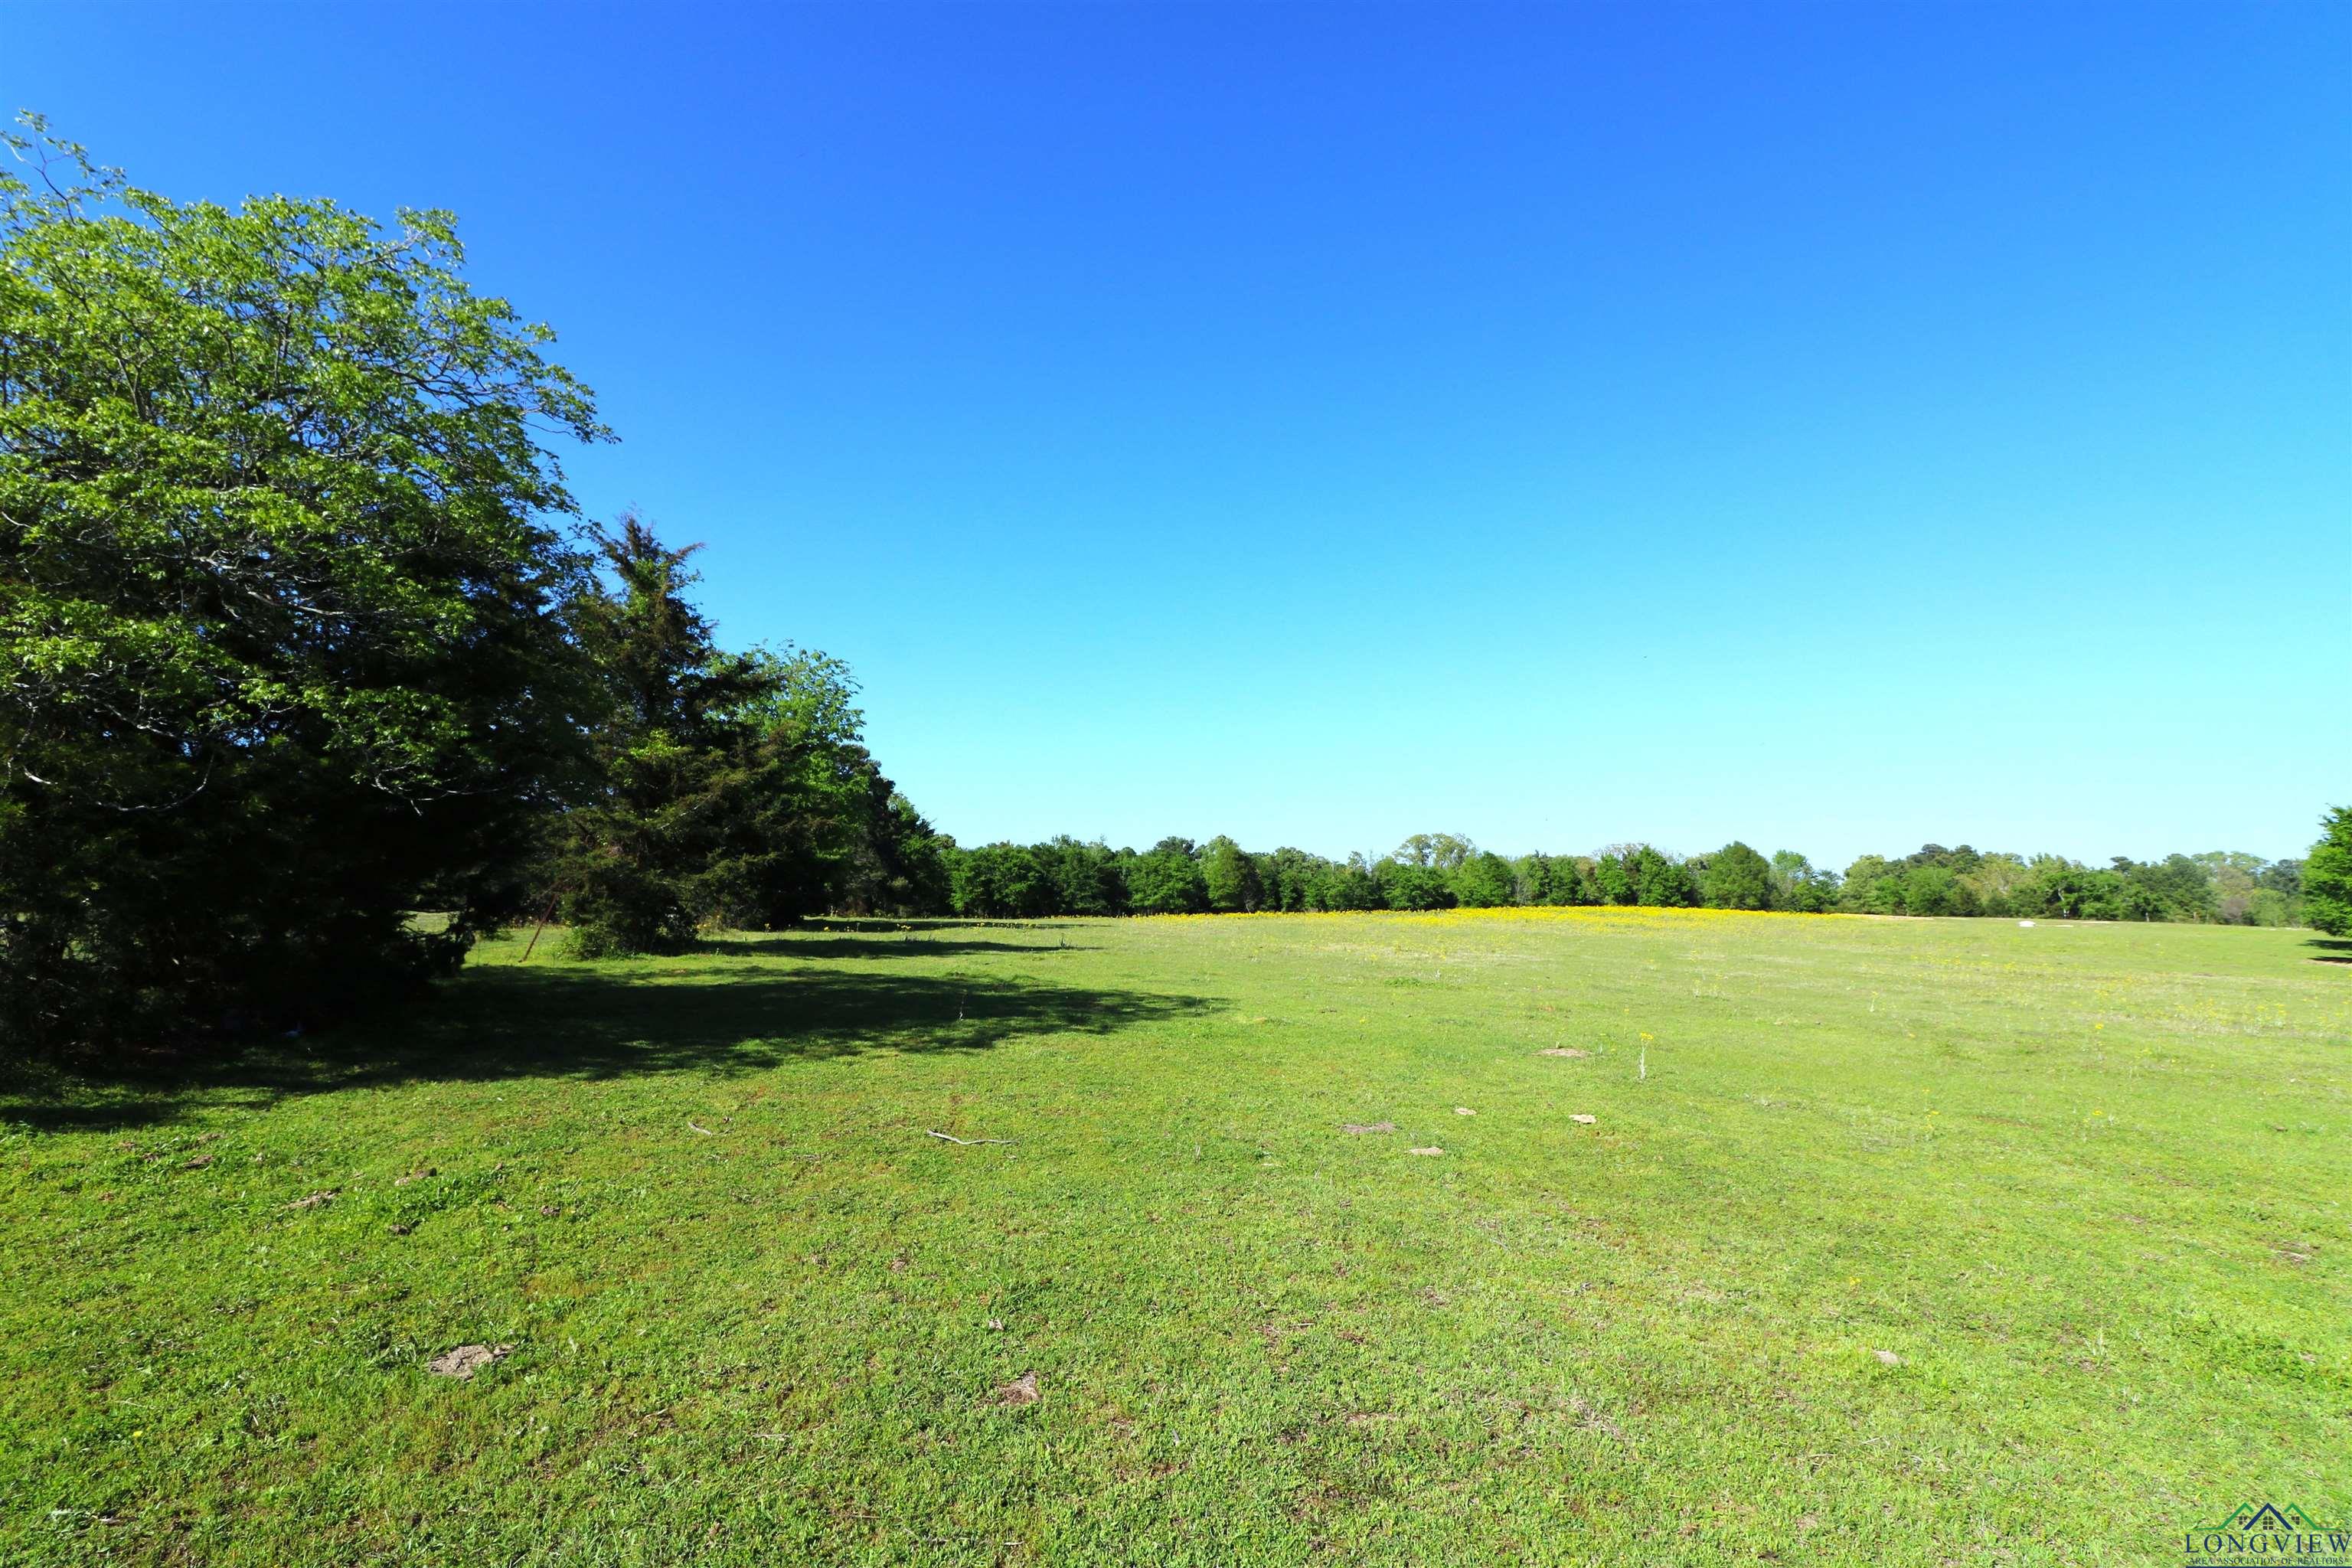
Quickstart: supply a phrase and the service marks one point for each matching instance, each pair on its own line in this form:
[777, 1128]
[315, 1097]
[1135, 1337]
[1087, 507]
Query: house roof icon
[2261, 1516]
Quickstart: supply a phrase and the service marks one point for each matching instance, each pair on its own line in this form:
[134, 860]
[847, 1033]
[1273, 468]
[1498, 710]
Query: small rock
[1581, 1118]
[1464, 1111]
[996, 1325]
[550, 1210]
[400, 1229]
[466, 1359]
[1888, 1358]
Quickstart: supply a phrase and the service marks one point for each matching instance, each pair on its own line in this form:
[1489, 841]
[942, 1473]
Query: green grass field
[2084, 1187]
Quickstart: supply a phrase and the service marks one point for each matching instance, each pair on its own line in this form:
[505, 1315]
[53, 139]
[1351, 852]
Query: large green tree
[279, 599]
[1737, 878]
[1798, 884]
[1229, 876]
[2328, 875]
[1440, 851]
[1930, 890]
[821, 827]
[1661, 880]
[1000, 882]
[1483, 881]
[1083, 878]
[1613, 873]
[1411, 885]
[1166, 879]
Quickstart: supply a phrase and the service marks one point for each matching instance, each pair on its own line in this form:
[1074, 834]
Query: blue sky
[1832, 426]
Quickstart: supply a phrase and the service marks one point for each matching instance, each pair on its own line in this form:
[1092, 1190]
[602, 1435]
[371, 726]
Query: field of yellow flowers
[1553, 1236]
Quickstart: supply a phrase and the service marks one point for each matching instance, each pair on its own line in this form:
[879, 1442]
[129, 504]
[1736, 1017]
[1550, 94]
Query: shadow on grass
[2333, 952]
[907, 946]
[506, 1021]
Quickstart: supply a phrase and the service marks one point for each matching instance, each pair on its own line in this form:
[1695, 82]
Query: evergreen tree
[659, 840]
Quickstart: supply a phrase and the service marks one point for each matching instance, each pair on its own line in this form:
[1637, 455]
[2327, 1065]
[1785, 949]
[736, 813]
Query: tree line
[312, 673]
[1442, 870]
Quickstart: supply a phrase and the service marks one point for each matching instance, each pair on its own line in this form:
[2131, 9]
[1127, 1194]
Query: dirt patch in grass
[466, 1360]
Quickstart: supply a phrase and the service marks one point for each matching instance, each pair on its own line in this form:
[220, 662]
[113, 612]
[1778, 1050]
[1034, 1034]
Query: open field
[2085, 1186]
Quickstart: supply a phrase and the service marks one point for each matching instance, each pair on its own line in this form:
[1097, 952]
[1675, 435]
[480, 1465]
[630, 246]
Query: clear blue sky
[1833, 425]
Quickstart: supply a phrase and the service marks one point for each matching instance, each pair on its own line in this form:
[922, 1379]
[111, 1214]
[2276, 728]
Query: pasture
[1884, 1242]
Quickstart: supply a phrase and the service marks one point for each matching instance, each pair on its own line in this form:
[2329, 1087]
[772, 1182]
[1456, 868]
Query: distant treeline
[1444, 871]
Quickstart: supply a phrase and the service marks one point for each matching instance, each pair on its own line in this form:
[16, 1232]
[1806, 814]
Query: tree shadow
[2335, 951]
[506, 1021]
[910, 945]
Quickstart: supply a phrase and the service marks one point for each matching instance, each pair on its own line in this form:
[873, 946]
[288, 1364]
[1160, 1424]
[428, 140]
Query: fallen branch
[706, 1131]
[968, 1142]
[545, 915]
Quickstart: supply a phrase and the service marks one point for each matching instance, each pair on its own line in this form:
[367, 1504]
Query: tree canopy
[281, 588]
[2328, 875]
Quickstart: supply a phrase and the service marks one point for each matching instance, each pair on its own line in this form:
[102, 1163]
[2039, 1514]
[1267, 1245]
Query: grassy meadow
[1844, 1240]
